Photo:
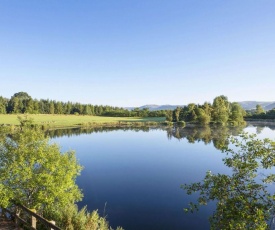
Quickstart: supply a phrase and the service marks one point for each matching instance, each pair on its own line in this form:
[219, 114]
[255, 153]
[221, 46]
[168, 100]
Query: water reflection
[207, 134]
[79, 131]
[243, 198]
[133, 172]
[216, 135]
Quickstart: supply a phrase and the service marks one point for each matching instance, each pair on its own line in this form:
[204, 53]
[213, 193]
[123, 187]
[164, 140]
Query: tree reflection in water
[242, 198]
[218, 135]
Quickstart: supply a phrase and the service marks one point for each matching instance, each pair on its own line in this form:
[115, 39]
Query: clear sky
[136, 52]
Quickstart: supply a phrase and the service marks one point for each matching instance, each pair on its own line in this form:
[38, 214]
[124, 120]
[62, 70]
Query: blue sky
[136, 52]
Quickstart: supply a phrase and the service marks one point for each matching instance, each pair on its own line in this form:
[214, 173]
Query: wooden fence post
[53, 222]
[17, 213]
[33, 219]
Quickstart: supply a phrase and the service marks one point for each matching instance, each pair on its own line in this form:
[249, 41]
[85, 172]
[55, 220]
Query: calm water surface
[134, 176]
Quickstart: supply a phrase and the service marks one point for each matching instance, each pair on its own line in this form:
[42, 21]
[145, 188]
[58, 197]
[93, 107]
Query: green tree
[58, 108]
[189, 112]
[207, 108]
[30, 106]
[52, 109]
[36, 106]
[22, 96]
[237, 114]
[144, 112]
[87, 110]
[169, 115]
[203, 117]
[270, 114]
[136, 112]
[68, 108]
[243, 200]
[92, 110]
[18, 102]
[34, 172]
[220, 112]
[14, 105]
[176, 114]
[3, 105]
[43, 107]
[259, 109]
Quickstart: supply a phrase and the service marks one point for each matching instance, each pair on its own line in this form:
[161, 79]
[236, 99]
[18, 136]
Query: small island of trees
[220, 112]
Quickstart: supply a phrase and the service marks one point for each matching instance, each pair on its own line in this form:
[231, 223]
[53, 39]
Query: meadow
[60, 121]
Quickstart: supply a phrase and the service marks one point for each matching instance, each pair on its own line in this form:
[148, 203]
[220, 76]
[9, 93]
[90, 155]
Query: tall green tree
[58, 108]
[51, 107]
[169, 115]
[18, 102]
[3, 105]
[237, 114]
[220, 112]
[14, 105]
[30, 106]
[87, 110]
[259, 109]
[176, 114]
[34, 172]
[203, 117]
[190, 113]
[22, 96]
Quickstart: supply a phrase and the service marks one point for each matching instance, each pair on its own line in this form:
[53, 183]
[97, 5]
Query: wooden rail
[34, 218]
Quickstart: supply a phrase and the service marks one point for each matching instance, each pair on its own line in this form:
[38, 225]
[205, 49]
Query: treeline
[260, 113]
[221, 112]
[270, 114]
[21, 103]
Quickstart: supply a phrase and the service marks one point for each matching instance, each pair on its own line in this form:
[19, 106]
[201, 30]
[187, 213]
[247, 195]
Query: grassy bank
[61, 121]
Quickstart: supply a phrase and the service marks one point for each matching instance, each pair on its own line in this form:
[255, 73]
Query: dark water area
[133, 176]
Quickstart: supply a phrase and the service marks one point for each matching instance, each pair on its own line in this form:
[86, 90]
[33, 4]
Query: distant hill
[156, 107]
[247, 105]
[270, 106]
[160, 107]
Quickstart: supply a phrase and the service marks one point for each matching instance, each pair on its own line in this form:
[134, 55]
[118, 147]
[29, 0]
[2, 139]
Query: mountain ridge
[247, 105]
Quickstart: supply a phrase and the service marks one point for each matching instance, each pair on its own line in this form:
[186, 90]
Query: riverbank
[261, 122]
[47, 121]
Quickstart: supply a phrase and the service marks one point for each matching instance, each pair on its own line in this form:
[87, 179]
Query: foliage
[270, 114]
[70, 218]
[3, 105]
[243, 199]
[237, 114]
[259, 109]
[218, 135]
[221, 112]
[33, 172]
[203, 117]
[21, 103]
[169, 116]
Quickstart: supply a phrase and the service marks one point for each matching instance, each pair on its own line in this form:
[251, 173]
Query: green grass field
[58, 121]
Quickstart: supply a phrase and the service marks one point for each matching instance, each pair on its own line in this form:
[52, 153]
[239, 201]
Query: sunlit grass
[72, 120]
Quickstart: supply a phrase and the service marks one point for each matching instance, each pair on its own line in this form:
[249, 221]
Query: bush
[70, 218]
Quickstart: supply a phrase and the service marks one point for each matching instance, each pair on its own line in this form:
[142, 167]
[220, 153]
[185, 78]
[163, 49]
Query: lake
[133, 176]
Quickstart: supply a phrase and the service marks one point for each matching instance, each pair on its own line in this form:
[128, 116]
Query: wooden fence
[30, 222]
